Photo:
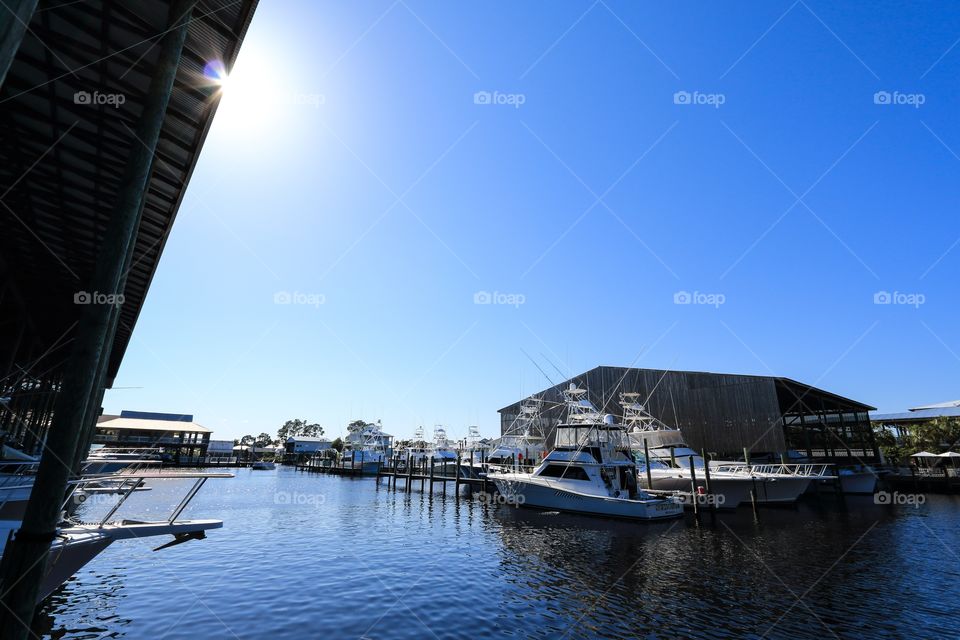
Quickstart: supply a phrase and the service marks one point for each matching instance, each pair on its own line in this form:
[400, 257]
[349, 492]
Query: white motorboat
[730, 483]
[589, 471]
[263, 465]
[366, 448]
[77, 543]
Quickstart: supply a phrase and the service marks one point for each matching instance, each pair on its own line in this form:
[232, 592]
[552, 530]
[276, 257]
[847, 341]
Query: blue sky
[779, 163]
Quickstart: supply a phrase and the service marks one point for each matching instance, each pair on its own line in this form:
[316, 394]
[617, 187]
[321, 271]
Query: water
[304, 555]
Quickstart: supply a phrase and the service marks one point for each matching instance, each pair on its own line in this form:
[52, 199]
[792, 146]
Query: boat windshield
[575, 436]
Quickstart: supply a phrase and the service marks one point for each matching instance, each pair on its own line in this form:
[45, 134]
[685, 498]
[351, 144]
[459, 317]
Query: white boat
[366, 448]
[730, 483]
[589, 471]
[77, 543]
[262, 465]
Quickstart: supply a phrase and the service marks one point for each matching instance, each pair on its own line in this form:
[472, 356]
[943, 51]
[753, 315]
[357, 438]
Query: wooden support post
[706, 480]
[431, 474]
[646, 459]
[25, 555]
[456, 482]
[12, 29]
[693, 488]
[409, 472]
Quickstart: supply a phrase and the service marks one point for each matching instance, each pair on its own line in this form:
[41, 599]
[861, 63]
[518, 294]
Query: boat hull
[864, 482]
[728, 493]
[522, 492]
[783, 489]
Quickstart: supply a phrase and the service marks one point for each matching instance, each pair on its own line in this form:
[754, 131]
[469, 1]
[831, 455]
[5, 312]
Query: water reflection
[304, 555]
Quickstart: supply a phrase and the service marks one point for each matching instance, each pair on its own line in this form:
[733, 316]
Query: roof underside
[61, 157]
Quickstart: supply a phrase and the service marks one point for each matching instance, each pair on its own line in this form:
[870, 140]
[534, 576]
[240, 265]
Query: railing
[742, 468]
[126, 484]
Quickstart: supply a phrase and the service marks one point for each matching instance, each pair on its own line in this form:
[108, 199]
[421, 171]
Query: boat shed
[176, 434]
[727, 413]
[104, 108]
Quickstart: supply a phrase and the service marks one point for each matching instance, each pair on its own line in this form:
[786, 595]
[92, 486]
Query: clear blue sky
[350, 165]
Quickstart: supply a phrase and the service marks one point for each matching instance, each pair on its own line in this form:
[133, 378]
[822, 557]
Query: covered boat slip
[104, 107]
[727, 413]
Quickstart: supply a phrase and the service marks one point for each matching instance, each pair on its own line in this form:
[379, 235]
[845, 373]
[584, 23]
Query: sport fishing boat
[669, 464]
[366, 448]
[590, 471]
[78, 542]
[524, 442]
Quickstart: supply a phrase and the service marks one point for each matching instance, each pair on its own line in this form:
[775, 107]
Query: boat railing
[125, 485]
[14, 472]
[780, 469]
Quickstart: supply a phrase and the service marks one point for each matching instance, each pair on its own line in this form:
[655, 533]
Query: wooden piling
[23, 573]
[646, 459]
[693, 488]
[706, 480]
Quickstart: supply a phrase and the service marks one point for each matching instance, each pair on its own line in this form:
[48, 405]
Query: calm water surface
[309, 555]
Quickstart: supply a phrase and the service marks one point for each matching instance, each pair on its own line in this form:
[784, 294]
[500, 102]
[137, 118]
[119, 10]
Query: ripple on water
[304, 555]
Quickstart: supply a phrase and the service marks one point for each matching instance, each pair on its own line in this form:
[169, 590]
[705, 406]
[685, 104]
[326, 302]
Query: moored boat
[589, 471]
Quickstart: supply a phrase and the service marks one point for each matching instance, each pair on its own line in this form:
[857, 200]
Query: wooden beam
[24, 561]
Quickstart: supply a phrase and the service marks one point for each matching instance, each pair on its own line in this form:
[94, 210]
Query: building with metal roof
[727, 413]
[176, 434]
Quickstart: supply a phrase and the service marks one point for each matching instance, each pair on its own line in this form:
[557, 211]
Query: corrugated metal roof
[152, 425]
[915, 415]
[942, 405]
[63, 152]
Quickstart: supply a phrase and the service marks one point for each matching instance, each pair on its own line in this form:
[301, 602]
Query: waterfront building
[727, 413]
[221, 452]
[306, 445]
[176, 434]
[905, 424]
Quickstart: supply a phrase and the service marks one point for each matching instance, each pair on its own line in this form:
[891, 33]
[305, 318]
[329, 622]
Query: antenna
[538, 367]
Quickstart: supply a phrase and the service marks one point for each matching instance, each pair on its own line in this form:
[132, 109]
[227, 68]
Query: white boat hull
[518, 489]
[729, 492]
[783, 489]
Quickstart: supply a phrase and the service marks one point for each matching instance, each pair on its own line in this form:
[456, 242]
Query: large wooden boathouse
[727, 413]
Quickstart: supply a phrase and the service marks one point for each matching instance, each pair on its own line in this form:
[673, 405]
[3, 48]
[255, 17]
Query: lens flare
[216, 72]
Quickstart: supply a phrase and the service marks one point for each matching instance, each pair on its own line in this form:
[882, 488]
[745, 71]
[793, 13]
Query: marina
[412, 320]
[545, 573]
